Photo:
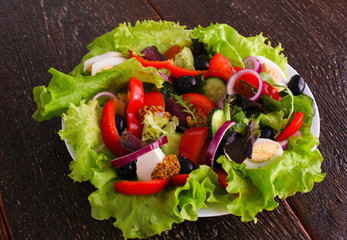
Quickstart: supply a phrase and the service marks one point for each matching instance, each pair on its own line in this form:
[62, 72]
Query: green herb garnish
[185, 105]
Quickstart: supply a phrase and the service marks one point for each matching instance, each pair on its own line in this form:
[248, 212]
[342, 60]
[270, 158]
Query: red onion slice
[105, 94]
[284, 143]
[232, 80]
[166, 78]
[252, 63]
[217, 138]
[121, 161]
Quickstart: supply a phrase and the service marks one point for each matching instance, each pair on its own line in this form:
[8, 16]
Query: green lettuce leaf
[161, 34]
[82, 132]
[185, 59]
[64, 89]
[247, 201]
[138, 216]
[199, 187]
[221, 38]
[297, 170]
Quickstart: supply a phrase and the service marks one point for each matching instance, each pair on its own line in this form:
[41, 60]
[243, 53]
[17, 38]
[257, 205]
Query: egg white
[283, 81]
[106, 64]
[88, 63]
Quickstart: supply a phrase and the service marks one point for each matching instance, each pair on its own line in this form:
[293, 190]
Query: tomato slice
[200, 102]
[172, 51]
[134, 104]
[222, 177]
[154, 98]
[179, 180]
[192, 142]
[292, 128]
[141, 187]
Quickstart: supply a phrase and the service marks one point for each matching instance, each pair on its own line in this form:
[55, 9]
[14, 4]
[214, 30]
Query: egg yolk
[263, 151]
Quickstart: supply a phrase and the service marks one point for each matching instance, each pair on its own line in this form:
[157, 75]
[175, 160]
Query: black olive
[296, 84]
[185, 84]
[202, 62]
[127, 171]
[198, 47]
[166, 90]
[186, 165]
[121, 123]
[267, 132]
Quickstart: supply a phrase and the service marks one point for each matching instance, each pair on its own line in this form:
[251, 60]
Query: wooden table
[37, 198]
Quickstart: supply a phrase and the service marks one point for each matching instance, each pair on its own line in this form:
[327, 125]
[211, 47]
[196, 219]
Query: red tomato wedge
[292, 128]
[179, 180]
[192, 142]
[222, 177]
[172, 51]
[220, 67]
[154, 98]
[141, 187]
[134, 104]
[200, 102]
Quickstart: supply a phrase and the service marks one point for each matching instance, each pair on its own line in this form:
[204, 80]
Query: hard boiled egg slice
[264, 152]
[106, 63]
[273, 70]
[88, 64]
[147, 162]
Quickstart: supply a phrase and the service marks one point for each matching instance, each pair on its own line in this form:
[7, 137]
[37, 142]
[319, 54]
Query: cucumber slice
[171, 147]
[215, 88]
[215, 119]
[227, 111]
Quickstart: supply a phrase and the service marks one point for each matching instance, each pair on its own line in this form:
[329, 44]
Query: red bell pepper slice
[172, 51]
[179, 180]
[292, 128]
[168, 64]
[268, 89]
[141, 187]
[134, 104]
[222, 177]
[200, 102]
[154, 98]
[109, 131]
[220, 67]
[192, 142]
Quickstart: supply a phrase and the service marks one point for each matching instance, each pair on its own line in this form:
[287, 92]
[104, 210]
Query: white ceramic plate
[215, 209]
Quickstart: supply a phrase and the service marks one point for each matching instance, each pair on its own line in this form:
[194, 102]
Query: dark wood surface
[37, 198]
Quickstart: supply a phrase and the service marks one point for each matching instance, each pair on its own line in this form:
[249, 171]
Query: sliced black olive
[202, 62]
[121, 123]
[186, 165]
[267, 132]
[185, 84]
[127, 171]
[296, 84]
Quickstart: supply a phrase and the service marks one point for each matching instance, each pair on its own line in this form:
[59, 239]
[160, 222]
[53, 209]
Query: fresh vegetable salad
[163, 121]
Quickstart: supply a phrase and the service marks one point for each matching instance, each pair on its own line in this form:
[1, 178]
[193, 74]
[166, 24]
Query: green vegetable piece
[185, 105]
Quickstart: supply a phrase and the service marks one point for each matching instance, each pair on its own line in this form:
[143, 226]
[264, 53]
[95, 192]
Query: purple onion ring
[232, 80]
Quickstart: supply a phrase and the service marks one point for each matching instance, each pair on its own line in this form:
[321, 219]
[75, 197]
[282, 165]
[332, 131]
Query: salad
[164, 121]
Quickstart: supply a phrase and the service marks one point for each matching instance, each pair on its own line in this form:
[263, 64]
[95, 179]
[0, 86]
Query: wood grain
[41, 202]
